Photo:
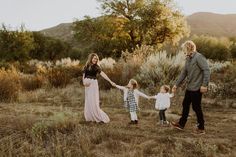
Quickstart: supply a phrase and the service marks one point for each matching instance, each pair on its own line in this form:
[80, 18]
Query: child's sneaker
[177, 126]
[166, 122]
[133, 122]
[161, 122]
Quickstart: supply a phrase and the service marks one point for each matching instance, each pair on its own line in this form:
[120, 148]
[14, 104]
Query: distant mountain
[213, 24]
[200, 23]
[62, 31]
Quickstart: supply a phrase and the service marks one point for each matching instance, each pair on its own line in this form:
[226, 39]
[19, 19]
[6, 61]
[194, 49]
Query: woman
[92, 111]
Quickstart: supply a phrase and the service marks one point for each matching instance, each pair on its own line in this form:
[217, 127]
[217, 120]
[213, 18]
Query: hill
[212, 24]
[62, 31]
[201, 23]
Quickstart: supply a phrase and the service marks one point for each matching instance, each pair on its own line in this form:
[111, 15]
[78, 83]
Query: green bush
[15, 45]
[233, 50]
[213, 48]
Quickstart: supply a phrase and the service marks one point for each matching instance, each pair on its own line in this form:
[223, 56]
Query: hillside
[212, 24]
[200, 23]
[62, 31]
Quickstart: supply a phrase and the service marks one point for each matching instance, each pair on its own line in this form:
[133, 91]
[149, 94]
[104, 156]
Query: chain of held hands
[203, 89]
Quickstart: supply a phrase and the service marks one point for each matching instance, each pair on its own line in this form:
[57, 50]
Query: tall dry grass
[9, 85]
[32, 82]
[49, 122]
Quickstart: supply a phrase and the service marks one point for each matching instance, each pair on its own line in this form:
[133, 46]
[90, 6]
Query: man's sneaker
[177, 126]
[136, 122]
[199, 132]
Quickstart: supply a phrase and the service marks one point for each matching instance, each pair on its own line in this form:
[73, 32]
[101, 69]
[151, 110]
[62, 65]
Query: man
[197, 71]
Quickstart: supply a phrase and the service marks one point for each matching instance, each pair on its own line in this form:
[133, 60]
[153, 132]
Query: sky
[40, 14]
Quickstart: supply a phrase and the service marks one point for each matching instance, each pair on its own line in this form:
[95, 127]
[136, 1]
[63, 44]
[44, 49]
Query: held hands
[174, 89]
[203, 89]
[150, 97]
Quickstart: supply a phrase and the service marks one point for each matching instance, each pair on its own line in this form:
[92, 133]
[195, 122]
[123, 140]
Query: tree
[47, 48]
[56, 49]
[15, 45]
[102, 35]
[128, 23]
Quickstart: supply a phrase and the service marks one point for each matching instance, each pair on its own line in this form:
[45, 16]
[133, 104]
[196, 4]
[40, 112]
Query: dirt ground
[50, 123]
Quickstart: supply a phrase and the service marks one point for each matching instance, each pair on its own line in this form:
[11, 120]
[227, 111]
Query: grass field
[49, 122]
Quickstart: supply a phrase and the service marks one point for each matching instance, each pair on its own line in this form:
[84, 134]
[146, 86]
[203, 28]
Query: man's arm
[203, 65]
[181, 77]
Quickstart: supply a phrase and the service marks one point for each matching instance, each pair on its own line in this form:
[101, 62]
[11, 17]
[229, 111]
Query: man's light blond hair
[189, 46]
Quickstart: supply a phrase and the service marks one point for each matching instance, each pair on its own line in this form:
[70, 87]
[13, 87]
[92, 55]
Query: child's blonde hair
[166, 87]
[134, 83]
[189, 46]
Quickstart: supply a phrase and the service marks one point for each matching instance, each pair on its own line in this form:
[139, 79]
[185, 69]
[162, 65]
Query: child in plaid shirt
[131, 96]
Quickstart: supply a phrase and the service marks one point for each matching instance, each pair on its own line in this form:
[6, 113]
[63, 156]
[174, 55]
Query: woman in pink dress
[92, 111]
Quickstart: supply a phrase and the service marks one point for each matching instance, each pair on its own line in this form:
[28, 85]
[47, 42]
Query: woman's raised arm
[106, 77]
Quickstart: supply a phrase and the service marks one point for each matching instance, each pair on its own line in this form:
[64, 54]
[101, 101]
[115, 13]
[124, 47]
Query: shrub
[9, 85]
[120, 73]
[223, 82]
[160, 69]
[67, 62]
[32, 82]
[218, 66]
[107, 63]
[233, 50]
[213, 48]
[126, 68]
[58, 77]
[57, 123]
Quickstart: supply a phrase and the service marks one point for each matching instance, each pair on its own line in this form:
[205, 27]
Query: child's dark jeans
[162, 115]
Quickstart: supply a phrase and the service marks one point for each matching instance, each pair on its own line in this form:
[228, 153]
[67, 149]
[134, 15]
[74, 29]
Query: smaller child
[163, 102]
[131, 96]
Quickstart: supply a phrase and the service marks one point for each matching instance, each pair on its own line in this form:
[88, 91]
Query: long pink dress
[92, 110]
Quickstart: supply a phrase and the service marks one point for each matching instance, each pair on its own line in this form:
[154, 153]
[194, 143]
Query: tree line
[124, 25]
[22, 45]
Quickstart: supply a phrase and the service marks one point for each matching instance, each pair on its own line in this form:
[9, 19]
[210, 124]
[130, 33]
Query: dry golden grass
[58, 78]
[32, 82]
[9, 85]
[49, 122]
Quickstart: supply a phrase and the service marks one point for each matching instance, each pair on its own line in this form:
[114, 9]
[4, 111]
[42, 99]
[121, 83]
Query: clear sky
[40, 14]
